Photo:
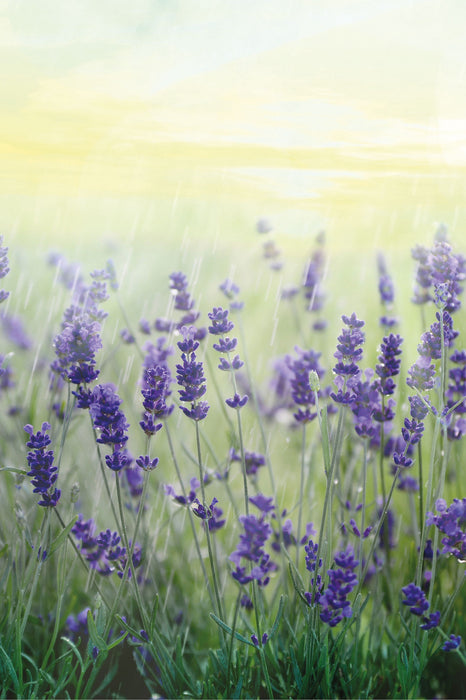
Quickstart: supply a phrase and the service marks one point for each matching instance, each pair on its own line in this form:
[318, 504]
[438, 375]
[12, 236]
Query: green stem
[206, 527]
[190, 515]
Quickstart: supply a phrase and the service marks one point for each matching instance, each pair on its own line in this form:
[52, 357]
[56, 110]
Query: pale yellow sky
[299, 105]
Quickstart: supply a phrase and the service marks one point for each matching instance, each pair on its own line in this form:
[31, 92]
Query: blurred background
[163, 125]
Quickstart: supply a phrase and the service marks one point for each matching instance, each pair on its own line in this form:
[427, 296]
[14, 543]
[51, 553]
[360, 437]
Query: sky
[345, 114]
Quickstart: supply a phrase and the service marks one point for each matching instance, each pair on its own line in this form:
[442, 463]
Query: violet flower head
[251, 547]
[447, 271]
[190, 377]
[366, 408]
[386, 291]
[302, 393]
[431, 341]
[41, 469]
[155, 390]
[109, 422]
[4, 268]
[253, 461]
[211, 514]
[455, 393]
[231, 291]
[348, 351]
[348, 354]
[220, 322]
[103, 551]
[452, 643]
[451, 522]
[416, 599]
[334, 603]
[15, 332]
[423, 277]
[314, 275]
[75, 347]
[388, 365]
[421, 375]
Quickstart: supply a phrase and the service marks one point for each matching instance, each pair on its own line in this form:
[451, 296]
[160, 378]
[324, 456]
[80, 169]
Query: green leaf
[325, 440]
[228, 629]
[153, 616]
[299, 591]
[95, 637]
[8, 665]
[75, 650]
[278, 617]
[14, 470]
[131, 630]
[58, 541]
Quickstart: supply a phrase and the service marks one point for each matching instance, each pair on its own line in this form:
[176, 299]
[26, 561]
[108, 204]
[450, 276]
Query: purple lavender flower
[134, 479]
[302, 393]
[452, 522]
[231, 291]
[75, 347]
[348, 354]
[313, 276]
[76, 625]
[421, 375]
[388, 363]
[264, 504]
[386, 288]
[108, 420]
[237, 401]
[212, 514]
[253, 461]
[431, 622]
[416, 599]
[447, 270]
[365, 406]
[455, 392]
[15, 332]
[4, 269]
[452, 643]
[40, 460]
[255, 640]
[251, 547]
[220, 323]
[155, 390]
[146, 463]
[342, 579]
[179, 498]
[190, 376]
[431, 345]
[423, 277]
[103, 551]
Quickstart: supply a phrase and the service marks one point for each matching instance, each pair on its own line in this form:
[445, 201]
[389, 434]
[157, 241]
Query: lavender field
[243, 486]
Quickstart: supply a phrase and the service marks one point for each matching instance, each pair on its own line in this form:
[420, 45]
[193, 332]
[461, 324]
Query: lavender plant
[161, 523]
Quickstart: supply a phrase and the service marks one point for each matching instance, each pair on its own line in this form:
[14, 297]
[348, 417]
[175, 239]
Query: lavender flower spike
[4, 269]
[40, 460]
[190, 376]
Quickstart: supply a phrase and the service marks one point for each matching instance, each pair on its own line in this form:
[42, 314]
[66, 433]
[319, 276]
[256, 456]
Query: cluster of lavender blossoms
[190, 377]
[251, 547]
[184, 303]
[302, 393]
[108, 421]
[103, 552]
[386, 293]
[4, 269]
[79, 339]
[333, 601]
[42, 471]
[221, 325]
